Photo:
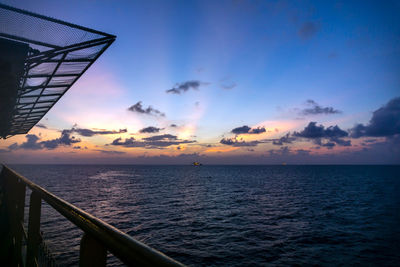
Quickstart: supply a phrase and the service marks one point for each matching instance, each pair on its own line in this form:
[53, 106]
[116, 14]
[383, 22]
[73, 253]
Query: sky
[226, 82]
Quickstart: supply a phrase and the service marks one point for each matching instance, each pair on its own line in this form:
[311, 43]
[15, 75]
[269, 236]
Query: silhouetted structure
[40, 59]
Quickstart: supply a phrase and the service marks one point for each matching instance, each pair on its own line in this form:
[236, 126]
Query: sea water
[233, 215]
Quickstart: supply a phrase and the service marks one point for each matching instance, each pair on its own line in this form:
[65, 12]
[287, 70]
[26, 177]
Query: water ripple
[234, 215]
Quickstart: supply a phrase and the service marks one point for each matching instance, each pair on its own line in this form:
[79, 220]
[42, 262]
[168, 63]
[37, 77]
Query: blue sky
[254, 63]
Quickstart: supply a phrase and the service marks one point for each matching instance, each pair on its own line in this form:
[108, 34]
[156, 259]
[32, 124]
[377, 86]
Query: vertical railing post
[19, 218]
[12, 204]
[8, 243]
[92, 253]
[34, 238]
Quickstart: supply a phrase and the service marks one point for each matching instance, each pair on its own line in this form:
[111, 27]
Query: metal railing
[98, 238]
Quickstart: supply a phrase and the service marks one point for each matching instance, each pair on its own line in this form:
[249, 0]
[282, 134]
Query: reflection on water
[234, 215]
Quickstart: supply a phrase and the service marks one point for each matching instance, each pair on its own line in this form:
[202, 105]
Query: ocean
[233, 215]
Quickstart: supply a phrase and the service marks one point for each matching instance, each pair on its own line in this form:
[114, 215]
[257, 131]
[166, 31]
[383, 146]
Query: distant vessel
[197, 163]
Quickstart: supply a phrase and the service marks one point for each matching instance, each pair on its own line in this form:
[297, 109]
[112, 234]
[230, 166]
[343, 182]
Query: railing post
[19, 217]
[34, 238]
[15, 197]
[92, 252]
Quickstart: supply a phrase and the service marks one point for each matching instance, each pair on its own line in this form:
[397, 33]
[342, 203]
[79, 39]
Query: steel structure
[40, 59]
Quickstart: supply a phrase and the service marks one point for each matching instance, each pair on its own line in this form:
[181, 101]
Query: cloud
[89, 132]
[341, 142]
[158, 141]
[317, 109]
[228, 86]
[238, 143]
[247, 130]
[65, 139]
[329, 145]
[257, 130]
[241, 130]
[317, 133]
[312, 130]
[385, 122]
[13, 146]
[149, 110]
[41, 126]
[307, 30]
[77, 147]
[127, 142]
[286, 139]
[32, 142]
[150, 129]
[184, 87]
[173, 125]
[161, 137]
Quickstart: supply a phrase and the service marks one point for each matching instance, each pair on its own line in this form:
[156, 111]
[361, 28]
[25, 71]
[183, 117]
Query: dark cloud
[317, 109]
[184, 87]
[228, 86]
[385, 122]
[247, 130]
[41, 126]
[241, 130]
[312, 130]
[161, 137]
[238, 143]
[158, 141]
[307, 30]
[286, 139]
[65, 139]
[257, 130]
[127, 142]
[341, 142]
[173, 125]
[329, 145]
[89, 132]
[149, 110]
[317, 133]
[77, 147]
[32, 142]
[150, 129]
[13, 146]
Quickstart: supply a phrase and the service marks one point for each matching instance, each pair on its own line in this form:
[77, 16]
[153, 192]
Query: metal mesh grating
[59, 53]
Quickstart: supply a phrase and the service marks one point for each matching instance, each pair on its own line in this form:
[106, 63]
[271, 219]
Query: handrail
[123, 246]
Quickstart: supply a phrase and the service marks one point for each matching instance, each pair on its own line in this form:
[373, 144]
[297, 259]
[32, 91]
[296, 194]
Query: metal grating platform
[40, 59]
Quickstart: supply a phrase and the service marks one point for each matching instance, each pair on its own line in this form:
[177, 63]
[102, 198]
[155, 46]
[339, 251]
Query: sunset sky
[226, 82]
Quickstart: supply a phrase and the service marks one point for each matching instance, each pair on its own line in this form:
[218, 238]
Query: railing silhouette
[98, 238]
